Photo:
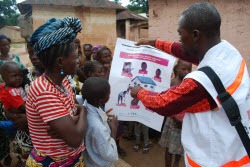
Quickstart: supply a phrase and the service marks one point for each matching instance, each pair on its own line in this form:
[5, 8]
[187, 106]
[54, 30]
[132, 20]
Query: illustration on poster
[157, 76]
[132, 66]
[126, 70]
[143, 69]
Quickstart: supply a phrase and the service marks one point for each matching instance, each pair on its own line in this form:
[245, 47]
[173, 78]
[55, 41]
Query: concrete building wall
[98, 25]
[14, 35]
[235, 14]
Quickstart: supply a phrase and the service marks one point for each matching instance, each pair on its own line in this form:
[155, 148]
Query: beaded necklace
[62, 90]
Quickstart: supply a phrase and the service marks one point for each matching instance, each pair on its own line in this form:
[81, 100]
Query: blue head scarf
[55, 32]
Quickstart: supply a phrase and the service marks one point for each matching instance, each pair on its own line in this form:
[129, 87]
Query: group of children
[103, 130]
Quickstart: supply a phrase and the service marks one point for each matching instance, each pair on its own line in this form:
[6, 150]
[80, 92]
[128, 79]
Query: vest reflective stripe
[233, 87]
[191, 162]
[245, 160]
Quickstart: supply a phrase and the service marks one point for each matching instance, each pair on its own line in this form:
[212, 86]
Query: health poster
[138, 65]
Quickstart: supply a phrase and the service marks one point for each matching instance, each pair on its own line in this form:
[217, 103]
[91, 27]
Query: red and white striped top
[45, 103]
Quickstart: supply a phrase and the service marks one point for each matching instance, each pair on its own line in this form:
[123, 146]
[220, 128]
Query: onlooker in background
[94, 51]
[78, 48]
[104, 56]
[87, 52]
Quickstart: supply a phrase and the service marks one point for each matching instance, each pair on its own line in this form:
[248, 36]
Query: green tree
[118, 2]
[8, 13]
[138, 6]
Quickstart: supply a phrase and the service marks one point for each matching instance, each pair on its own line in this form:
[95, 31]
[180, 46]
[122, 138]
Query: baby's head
[96, 91]
[12, 74]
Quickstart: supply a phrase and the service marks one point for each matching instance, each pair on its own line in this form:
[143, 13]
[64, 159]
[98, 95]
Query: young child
[96, 69]
[93, 69]
[12, 95]
[101, 149]
[171, 134]
[94, 51]
[104, 56]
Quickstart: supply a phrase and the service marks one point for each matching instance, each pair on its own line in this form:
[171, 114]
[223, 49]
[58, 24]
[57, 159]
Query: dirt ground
[154, 158]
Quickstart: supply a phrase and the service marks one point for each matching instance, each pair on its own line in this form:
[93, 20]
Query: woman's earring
[62, 73]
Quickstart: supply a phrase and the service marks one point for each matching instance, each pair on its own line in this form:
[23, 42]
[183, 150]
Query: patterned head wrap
[55, 32]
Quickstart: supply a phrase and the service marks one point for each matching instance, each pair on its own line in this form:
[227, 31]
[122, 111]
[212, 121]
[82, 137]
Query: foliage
[138, 6]
[118, 2]
[8, 13]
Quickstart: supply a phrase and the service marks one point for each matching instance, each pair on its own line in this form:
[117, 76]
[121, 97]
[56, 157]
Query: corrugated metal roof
[145, 80]
[26, 5]
[126, 14]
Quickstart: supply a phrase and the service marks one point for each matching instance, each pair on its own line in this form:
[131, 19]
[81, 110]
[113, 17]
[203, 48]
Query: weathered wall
[235, 14]
[14, 35]
[98, 25]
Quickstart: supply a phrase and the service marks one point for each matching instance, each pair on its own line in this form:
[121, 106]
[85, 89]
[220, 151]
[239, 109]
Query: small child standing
[144, 128]
[171, 134]
[101, 149]
[104, 56]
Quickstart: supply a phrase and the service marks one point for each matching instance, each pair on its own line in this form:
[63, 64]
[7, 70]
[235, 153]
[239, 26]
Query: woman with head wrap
[56, 124]
[94, 51]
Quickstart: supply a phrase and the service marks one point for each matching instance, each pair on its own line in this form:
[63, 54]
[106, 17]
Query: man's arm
[190, 96]
[173, 48]
[176, 49]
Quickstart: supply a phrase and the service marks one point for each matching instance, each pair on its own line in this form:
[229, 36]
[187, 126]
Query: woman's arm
[72, 133]
[52, 111]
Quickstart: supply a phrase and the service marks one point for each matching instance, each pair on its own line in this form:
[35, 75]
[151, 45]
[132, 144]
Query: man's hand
[134, 91]
[143, 41]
